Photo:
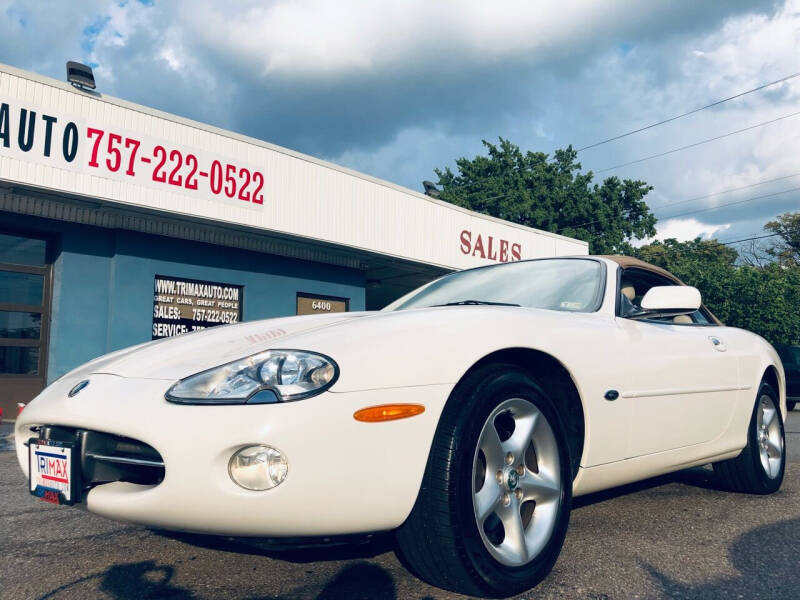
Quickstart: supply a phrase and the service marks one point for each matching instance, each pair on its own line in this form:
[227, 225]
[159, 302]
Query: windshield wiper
[470, 302]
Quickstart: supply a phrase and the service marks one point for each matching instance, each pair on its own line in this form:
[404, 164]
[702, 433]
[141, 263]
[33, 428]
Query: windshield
[568, 284]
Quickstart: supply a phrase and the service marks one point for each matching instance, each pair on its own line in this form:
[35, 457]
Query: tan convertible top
[627, 262]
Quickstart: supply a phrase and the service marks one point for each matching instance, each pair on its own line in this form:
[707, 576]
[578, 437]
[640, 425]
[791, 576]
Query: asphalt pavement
[677, 536]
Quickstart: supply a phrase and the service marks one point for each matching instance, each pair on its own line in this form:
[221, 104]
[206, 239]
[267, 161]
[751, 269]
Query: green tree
[674, 255]
[787, 249]
[552, 194]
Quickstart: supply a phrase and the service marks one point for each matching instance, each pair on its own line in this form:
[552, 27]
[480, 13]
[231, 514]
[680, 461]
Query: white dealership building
[120, 224]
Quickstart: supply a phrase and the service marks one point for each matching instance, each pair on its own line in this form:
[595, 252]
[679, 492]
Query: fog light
[258, 467]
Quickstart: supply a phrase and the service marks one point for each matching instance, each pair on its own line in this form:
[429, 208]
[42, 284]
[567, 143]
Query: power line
[759, 237]
[701, 210]
[700, 143]
[701, 197]
[660, 206]
[736, 189]
[691, 112]
[731, 237]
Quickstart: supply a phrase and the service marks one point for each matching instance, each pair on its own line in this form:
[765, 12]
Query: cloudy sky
[397, 89]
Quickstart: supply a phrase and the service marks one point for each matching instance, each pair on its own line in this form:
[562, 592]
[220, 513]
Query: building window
[24, 311]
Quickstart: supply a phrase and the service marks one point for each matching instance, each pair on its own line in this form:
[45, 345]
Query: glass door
[24, 319]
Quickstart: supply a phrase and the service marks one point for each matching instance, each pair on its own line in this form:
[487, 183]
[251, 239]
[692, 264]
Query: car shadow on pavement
[147, 579]
[766, 561]
[356, 548]
[359, 581]
[144, 579]
[700, 477]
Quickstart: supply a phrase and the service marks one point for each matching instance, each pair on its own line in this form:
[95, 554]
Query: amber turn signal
[387, 412]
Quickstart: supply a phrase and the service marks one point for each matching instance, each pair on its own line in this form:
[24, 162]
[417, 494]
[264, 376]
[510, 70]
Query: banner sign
[184, 305]
[52, 138]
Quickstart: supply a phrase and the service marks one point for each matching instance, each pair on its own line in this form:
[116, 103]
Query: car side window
[635, 283]
[790, 355]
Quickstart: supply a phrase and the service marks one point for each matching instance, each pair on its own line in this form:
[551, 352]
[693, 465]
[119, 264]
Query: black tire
[745, 473]
[790, 404]
[440, 541]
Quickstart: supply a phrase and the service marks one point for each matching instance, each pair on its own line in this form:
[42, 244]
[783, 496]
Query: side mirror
[669, 301]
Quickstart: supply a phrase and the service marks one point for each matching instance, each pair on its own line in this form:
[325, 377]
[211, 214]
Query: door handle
[718, 344]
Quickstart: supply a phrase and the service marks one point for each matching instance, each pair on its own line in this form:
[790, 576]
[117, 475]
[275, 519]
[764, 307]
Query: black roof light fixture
[430, 189]
[80, 75]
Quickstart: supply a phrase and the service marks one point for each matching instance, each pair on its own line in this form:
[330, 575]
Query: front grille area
[106, 457]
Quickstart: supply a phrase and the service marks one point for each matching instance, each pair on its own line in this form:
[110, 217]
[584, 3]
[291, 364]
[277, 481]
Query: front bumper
[344, 476]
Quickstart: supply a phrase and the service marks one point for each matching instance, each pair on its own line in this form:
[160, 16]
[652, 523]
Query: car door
[790, 356]
[682, 383]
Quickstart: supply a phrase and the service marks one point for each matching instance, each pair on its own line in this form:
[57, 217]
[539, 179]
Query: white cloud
[169, 55]
[325, 38]
[396, 89]
[619, 91]
[669, 78]
[687, 229]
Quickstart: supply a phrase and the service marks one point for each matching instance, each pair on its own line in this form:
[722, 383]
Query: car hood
[184, 355]
[374, 350]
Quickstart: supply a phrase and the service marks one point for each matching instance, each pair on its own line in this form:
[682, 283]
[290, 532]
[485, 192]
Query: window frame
[670, 281]
[45, 309]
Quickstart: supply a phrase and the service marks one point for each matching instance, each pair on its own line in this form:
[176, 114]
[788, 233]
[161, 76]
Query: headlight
[267, 377]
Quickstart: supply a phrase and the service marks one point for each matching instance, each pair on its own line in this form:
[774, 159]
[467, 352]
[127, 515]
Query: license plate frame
[54, 471]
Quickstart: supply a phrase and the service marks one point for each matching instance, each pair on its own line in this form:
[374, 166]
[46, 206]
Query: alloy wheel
[768, 434]
[517, 484]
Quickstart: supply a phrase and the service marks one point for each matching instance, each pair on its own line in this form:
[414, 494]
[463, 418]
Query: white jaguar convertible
[464, 416]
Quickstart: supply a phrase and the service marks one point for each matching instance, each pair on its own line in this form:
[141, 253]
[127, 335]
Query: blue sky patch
[91, 32]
